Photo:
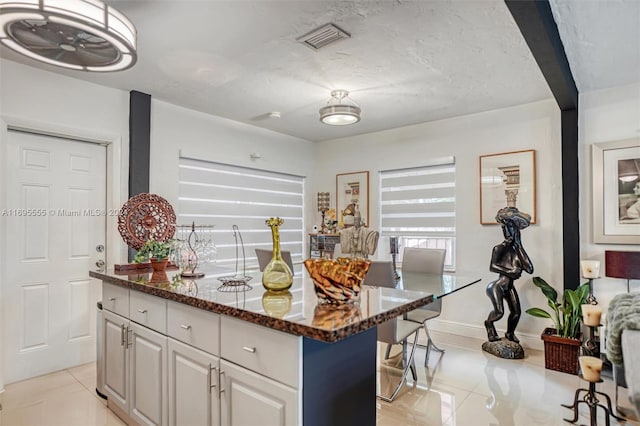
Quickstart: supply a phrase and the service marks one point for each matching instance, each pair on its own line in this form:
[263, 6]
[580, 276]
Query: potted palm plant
[157, 252]
[562, 343]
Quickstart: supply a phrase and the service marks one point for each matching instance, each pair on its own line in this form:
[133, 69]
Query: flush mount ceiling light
[83, 35]
[340, 110]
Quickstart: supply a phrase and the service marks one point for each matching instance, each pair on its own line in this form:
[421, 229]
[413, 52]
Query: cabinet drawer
[194, 326]
[115, 299]
[147, 310]
[271, 353]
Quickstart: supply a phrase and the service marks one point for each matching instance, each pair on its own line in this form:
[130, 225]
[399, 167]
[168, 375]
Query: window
[224, 195]
[418, 206]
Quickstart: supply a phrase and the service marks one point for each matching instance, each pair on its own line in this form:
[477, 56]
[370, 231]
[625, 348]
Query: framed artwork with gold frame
[509, 174]
[352, 192]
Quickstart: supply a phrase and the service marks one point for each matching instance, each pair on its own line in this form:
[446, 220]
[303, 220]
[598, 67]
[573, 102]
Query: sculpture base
[504, 348]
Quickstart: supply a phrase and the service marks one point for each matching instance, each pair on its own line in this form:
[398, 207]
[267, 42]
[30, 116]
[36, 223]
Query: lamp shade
[323, 201]
[622, 264]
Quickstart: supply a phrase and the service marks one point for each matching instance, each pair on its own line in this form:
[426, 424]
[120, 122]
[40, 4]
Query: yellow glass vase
[277, 275]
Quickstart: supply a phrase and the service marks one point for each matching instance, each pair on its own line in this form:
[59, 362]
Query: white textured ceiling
[407, 62]
[601, 40]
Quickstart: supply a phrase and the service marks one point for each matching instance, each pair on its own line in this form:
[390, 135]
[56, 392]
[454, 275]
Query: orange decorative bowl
[338, 280]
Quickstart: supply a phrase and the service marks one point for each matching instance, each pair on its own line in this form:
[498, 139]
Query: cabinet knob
[112, 299]
[248, 349]
[185, 327]
[142, 311]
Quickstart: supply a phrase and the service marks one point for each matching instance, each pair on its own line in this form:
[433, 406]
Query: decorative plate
[144, 217]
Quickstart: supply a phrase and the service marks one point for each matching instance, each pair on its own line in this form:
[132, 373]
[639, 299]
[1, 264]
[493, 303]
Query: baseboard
[527, 340]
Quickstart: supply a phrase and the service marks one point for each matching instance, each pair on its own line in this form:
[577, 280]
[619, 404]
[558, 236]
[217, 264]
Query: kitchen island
[181, 351]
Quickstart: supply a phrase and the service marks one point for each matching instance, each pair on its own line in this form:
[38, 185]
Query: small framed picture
[507, 179]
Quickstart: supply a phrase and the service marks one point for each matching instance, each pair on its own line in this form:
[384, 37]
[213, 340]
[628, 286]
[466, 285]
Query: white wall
[176, 130]
[533, 126]
[605, 116]
[50, 102]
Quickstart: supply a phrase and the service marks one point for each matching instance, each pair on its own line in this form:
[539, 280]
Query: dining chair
[430, 261]
[381, 274]
[397, 330]
[337, 251]
[264, 257]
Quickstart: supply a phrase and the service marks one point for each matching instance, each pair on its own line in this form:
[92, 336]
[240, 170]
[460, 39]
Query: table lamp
[323, 206]
[622, 264]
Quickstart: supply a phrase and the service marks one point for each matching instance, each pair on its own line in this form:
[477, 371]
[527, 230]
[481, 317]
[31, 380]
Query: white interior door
[55, 221]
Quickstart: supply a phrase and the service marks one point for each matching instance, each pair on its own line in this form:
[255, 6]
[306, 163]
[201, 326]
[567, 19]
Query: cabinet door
[249, 399]
[116, 361]
[193, 381]
[148, 370]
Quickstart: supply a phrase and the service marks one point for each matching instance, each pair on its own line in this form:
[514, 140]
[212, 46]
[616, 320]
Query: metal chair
[426, 261]
[264, 257]
[397, 330]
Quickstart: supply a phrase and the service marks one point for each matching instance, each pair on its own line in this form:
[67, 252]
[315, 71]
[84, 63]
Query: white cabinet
[116, 360]
[193, 386]
[147, 369]
[249, 399]
[135, 365]
[171, 364]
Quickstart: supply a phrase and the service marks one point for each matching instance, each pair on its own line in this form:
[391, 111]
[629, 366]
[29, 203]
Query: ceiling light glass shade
[84, 35]
[340, 110]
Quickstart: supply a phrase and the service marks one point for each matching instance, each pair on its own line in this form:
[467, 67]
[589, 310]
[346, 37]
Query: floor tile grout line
[91, 391]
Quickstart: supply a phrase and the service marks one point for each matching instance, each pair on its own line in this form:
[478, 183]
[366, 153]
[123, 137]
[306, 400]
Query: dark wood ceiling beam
[535, 21]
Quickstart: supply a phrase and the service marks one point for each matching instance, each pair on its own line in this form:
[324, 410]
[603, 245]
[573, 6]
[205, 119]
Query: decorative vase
[159, 264]
[277, 304]
[276, 275]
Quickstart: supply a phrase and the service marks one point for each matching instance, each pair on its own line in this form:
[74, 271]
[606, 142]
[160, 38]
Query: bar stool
[590, 371]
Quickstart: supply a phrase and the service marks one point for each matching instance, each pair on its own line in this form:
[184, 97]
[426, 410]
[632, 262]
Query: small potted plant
[157, 252]
[562, 343]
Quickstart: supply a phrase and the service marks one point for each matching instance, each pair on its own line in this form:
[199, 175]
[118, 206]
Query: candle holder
[591, 347]
[192, 262]
[590, 398]
[590, 271]
[591, 315]
[591, 373]
[393, 248]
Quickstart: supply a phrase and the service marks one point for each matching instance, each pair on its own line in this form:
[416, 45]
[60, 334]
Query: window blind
[223, 195]
[418, 205]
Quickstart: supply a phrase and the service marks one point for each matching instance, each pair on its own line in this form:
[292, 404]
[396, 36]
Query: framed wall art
[616, 191]
[508, 175]
[352, 193]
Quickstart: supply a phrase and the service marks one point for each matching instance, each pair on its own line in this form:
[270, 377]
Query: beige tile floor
[464, 387]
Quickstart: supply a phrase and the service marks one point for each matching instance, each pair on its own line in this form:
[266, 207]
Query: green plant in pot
[157, 252]
[562, 343]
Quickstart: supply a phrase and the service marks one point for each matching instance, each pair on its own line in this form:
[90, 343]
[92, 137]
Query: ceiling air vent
[323, 36]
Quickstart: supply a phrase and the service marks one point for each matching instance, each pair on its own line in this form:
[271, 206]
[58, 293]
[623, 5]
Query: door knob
[100, 265]
[100, 248]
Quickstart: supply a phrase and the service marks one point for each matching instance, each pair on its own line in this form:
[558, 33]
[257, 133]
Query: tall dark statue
[508, 259]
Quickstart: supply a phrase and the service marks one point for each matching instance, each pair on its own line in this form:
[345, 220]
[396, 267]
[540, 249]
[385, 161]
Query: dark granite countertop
[296, 311]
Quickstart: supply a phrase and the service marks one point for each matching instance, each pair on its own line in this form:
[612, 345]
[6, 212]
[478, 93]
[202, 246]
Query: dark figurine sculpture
[509, 260]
